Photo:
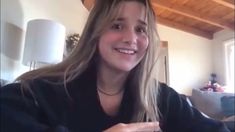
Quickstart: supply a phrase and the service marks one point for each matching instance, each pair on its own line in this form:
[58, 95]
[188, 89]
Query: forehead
[133, 9]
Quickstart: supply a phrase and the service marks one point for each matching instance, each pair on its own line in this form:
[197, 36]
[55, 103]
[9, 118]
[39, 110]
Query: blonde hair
[144, 90]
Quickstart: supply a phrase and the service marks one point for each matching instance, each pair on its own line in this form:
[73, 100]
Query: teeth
[126, 51]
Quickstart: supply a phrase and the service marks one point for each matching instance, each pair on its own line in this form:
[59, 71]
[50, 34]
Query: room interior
[195, 32]
[195, 41]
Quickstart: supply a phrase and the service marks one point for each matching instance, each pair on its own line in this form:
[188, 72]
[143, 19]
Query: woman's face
[124, 42]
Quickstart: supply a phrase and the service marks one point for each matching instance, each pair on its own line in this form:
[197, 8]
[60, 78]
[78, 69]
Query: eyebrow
[140, 21]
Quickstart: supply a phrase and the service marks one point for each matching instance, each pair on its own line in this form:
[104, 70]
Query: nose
[130, 36]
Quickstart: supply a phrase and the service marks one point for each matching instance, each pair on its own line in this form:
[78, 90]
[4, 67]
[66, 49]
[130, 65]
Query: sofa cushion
[227, 104]
[230, 125]
[209, 102]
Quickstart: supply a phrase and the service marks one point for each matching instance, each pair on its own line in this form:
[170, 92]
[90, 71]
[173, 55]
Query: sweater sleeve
[177, 115]
[20, 112]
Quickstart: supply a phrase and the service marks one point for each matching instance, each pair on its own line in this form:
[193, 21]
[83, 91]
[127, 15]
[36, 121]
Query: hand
[135, 127]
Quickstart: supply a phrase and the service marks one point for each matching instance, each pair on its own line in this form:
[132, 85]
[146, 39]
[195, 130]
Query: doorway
[163, 73]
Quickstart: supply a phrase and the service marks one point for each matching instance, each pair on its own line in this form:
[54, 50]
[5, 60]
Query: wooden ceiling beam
[185, 28]
[188, 13]
[88, 4]
[227, 3]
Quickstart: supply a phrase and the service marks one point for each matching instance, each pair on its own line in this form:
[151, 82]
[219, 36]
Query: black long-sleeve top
[48, 108]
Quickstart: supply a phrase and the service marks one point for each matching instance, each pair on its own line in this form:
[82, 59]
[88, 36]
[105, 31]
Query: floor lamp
[44, 43]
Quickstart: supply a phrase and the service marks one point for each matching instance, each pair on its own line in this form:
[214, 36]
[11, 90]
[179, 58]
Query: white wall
[15, 15]
[219, 53]
[190, 59]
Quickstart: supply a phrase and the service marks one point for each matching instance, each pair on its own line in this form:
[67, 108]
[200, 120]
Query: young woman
[105, 84]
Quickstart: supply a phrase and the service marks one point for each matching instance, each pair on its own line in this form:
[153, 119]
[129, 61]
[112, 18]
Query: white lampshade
[44, 42]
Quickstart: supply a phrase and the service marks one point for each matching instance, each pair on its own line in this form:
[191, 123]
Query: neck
[110, 80]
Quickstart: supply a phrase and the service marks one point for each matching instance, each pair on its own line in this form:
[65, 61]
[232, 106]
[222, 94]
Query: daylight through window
[229, 59]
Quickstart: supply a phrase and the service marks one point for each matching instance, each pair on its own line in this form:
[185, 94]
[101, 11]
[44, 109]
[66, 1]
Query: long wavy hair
[145, 89]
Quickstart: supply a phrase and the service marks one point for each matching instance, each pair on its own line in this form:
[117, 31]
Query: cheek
[102, 43]
[101, 47]
[144, 43]
[107, 39]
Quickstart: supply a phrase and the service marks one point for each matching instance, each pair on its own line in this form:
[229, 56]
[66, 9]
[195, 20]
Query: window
[229, 60]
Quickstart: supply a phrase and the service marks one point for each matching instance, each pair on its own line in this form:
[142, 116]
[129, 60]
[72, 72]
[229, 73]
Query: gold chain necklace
[109, 94]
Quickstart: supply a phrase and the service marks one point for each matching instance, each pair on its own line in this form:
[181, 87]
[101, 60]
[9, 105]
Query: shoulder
[167, 97]
[10, 86]
[169, 101]
[173, 109]
[10, 90]
[47, 90]
[166, 92]
[177, 114]
[35, 108]
[30, 88]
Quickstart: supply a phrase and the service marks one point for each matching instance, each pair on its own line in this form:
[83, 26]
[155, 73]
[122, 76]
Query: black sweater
[48, 108]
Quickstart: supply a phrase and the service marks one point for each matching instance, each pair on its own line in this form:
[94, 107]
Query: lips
[126, 51]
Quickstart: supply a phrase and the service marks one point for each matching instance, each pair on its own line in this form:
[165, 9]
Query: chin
[125, 68]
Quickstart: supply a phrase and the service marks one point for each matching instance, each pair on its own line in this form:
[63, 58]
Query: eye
[141, 29]
[116, 26]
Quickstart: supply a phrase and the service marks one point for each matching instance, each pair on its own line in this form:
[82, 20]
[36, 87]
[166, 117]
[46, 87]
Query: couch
[216, 105]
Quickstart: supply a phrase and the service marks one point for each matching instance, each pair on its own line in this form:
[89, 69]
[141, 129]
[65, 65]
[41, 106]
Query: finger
[145, 126]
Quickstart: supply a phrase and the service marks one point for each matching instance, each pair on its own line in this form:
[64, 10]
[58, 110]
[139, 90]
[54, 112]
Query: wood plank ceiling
[199, 17]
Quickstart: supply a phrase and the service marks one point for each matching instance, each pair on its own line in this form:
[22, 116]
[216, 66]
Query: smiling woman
[124, 42]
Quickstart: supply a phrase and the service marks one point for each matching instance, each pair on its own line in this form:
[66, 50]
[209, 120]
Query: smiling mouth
[126, 51]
